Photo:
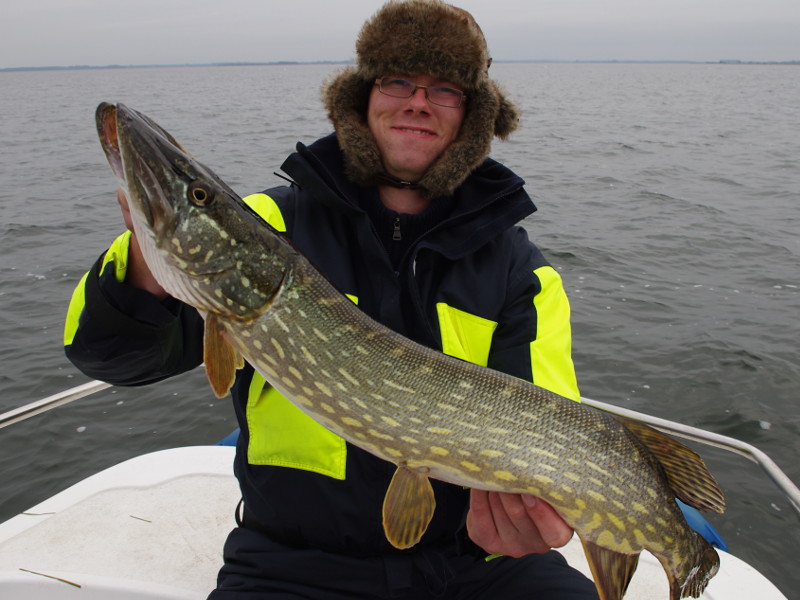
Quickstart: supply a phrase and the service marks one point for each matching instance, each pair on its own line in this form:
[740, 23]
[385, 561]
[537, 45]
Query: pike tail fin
[696, 574]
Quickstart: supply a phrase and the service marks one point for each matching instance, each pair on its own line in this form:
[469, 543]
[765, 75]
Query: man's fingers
[126, 211]
[480, 521]
[499, 523]
[554, 531]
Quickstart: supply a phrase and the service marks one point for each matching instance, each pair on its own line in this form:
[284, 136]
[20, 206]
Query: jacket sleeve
[124, 335]
[533, 339]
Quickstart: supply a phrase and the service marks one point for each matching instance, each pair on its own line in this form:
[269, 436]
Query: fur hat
[414, 37]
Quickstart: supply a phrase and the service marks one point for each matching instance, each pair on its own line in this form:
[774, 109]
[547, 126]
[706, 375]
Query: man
[404, 212]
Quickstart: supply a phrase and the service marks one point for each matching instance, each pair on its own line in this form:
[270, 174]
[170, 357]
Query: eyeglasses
[437, 94]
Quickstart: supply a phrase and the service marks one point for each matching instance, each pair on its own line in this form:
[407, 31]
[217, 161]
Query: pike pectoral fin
[408, 507]
[612, 571]
[220, 358]
[686, 472]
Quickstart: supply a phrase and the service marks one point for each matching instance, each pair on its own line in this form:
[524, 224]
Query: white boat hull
[153, 527]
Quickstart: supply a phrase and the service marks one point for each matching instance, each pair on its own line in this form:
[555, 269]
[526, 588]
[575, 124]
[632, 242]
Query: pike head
[194, 230]
[203, 245]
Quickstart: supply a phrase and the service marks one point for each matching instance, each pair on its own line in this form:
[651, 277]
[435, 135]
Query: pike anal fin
[220, 358]
[408, 507]
[612, 571]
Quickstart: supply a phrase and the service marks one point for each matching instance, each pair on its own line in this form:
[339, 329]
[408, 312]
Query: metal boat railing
[709, 438]
[34, 408]
[773, 471]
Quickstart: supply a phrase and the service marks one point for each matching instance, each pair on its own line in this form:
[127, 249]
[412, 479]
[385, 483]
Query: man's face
[411, 133]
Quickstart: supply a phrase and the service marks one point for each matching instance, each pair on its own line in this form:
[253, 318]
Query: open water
[669, 199]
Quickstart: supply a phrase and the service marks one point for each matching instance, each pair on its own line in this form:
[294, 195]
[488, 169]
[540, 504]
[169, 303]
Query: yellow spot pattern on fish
[596, 495]
[397, 386]
[440, 431]
[324, 388]
[278, 348]
[349, 377]
[616, 521]
[491, 453]
[308, 356]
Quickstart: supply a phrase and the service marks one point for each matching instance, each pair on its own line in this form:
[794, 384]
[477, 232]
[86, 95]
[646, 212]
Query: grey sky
[94, 32]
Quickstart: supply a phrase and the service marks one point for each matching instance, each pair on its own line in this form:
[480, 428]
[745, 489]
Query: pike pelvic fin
[686, 472]
[220, 358]
[612, 571]
[408, 507]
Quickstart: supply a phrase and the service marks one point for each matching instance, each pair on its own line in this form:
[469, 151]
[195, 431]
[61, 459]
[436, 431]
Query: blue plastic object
[701, 526]
[230, 439]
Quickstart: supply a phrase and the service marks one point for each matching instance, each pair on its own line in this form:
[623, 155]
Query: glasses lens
[402, 88]
[445, 96]
[399, 88]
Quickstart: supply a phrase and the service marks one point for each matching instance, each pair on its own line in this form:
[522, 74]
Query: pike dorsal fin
[612, 571]
[408, 507]
[686, 472]
[219, 356]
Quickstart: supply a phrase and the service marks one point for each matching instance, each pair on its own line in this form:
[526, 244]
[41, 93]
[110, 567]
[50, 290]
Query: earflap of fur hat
[346, 97]
[469, 149]
[507, 119]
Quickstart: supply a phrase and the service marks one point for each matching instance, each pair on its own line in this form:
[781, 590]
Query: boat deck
[153, 527]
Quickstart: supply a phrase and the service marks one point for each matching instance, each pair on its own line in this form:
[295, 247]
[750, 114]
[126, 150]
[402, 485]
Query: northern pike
[612, 479]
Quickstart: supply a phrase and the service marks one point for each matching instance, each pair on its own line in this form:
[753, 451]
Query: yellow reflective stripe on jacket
[282, 435]
[116, 254]
[266, 208]
[551, 351]
[464, 335]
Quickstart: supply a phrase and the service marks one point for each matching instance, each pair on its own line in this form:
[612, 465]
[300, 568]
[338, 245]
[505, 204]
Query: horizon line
[346, 62]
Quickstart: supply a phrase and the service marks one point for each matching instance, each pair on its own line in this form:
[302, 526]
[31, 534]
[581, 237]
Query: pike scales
[432, 415]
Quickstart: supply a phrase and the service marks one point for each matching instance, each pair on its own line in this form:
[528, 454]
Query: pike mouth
[106, 121]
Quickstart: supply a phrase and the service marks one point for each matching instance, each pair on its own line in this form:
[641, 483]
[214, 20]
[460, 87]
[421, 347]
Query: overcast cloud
[40, 33]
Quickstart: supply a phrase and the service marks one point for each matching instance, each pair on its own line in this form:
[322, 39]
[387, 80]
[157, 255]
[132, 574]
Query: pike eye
[199, 195]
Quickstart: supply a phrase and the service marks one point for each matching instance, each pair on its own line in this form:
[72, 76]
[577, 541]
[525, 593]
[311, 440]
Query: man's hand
[122, 200]
[514, 524]
[138, 273]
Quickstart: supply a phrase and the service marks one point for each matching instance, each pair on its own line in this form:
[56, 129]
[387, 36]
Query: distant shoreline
[343, 62]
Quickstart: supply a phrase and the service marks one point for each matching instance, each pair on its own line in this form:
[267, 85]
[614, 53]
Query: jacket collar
[491, 200]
